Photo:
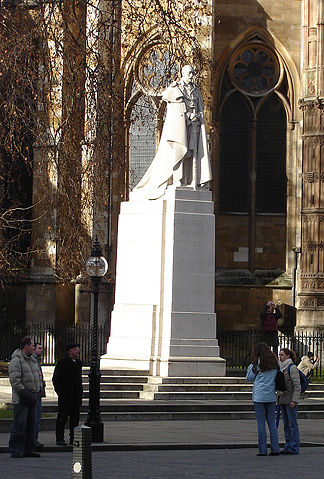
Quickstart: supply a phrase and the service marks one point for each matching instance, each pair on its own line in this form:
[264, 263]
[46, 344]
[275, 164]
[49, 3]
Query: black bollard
[81, 461]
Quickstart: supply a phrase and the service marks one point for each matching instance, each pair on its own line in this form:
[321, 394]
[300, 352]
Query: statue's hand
[193, 116]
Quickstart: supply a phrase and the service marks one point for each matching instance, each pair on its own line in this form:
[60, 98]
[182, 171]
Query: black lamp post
[96, 267]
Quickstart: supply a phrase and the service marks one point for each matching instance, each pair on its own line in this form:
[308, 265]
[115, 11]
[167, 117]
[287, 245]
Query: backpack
[270, 324]
[304, 382]
[280, 381]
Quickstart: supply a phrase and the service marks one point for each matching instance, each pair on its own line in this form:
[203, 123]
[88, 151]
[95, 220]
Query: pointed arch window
[252, 135]
[252, 154]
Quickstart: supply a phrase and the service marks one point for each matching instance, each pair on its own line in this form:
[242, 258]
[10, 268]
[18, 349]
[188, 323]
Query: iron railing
[237, 346]
[53, 339]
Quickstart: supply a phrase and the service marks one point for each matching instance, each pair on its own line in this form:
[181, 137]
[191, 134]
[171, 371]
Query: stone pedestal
[164, 320]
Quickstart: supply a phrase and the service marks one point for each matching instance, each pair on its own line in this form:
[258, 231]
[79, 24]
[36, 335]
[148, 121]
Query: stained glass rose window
[254, 69]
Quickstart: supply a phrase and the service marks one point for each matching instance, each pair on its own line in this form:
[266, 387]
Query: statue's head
[188, 73]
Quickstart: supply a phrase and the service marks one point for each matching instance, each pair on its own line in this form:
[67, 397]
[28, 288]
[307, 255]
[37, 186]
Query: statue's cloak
[173, 147]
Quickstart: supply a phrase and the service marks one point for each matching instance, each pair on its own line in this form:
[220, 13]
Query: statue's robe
[174, 146]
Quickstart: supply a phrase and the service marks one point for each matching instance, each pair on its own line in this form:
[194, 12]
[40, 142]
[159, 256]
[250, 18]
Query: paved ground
[213, 434]
[175, 449]
[211, 464]
[193, 449]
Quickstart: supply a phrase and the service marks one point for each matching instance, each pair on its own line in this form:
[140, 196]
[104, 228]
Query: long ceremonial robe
[174, 145]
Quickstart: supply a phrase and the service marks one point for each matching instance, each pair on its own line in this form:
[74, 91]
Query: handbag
[280, 381]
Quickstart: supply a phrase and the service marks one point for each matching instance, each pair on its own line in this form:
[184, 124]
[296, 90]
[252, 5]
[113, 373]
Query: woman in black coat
[269, 325]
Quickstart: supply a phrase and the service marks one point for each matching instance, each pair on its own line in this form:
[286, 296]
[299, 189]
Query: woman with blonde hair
[263, 371]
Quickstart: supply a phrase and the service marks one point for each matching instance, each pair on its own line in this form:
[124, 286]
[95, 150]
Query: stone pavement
[148, 435]
[173, 464]
[217, 449]
[175, 450]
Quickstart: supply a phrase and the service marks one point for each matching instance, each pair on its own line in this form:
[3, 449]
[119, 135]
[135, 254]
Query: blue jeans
[291, 430]
[23, 429]
[265, 411]
[38, 418]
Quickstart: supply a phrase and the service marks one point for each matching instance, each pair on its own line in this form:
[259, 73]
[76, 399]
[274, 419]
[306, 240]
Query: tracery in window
[153, 72]
[156, 70]
[252, 133]
[254, 69]
[142, 133]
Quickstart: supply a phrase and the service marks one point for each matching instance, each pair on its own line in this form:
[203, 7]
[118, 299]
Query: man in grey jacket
[25, 380]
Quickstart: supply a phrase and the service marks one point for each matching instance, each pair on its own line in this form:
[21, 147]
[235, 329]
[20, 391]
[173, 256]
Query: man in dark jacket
[67, 381]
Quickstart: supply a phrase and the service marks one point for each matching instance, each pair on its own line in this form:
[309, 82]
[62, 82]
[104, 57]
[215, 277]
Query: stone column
[311, 291]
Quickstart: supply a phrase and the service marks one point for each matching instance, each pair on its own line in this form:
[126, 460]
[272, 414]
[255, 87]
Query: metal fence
[237, 346]
[53, 339]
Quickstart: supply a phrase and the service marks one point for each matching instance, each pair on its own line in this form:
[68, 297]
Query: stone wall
[13, 304]
[232, 242]
[239, 307]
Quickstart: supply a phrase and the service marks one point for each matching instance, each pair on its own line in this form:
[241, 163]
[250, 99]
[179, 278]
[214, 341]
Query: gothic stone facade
[264, 101]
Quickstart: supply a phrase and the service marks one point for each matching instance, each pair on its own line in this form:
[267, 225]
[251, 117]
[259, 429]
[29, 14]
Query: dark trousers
[64, 412]
[38, 418]
[23, 429]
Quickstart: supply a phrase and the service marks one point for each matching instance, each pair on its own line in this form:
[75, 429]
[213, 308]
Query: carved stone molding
[311, 218]
[312, 140]
[307, 302]
[312, 245]
[309, 285]
[310, 177]
[311, 302]
[311, 112]
[311, 82]
[312, 33]
[312, 275]
[311, 104]
[305, 105]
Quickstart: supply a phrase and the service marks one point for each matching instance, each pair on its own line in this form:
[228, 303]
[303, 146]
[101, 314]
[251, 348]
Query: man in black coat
[67, 381]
